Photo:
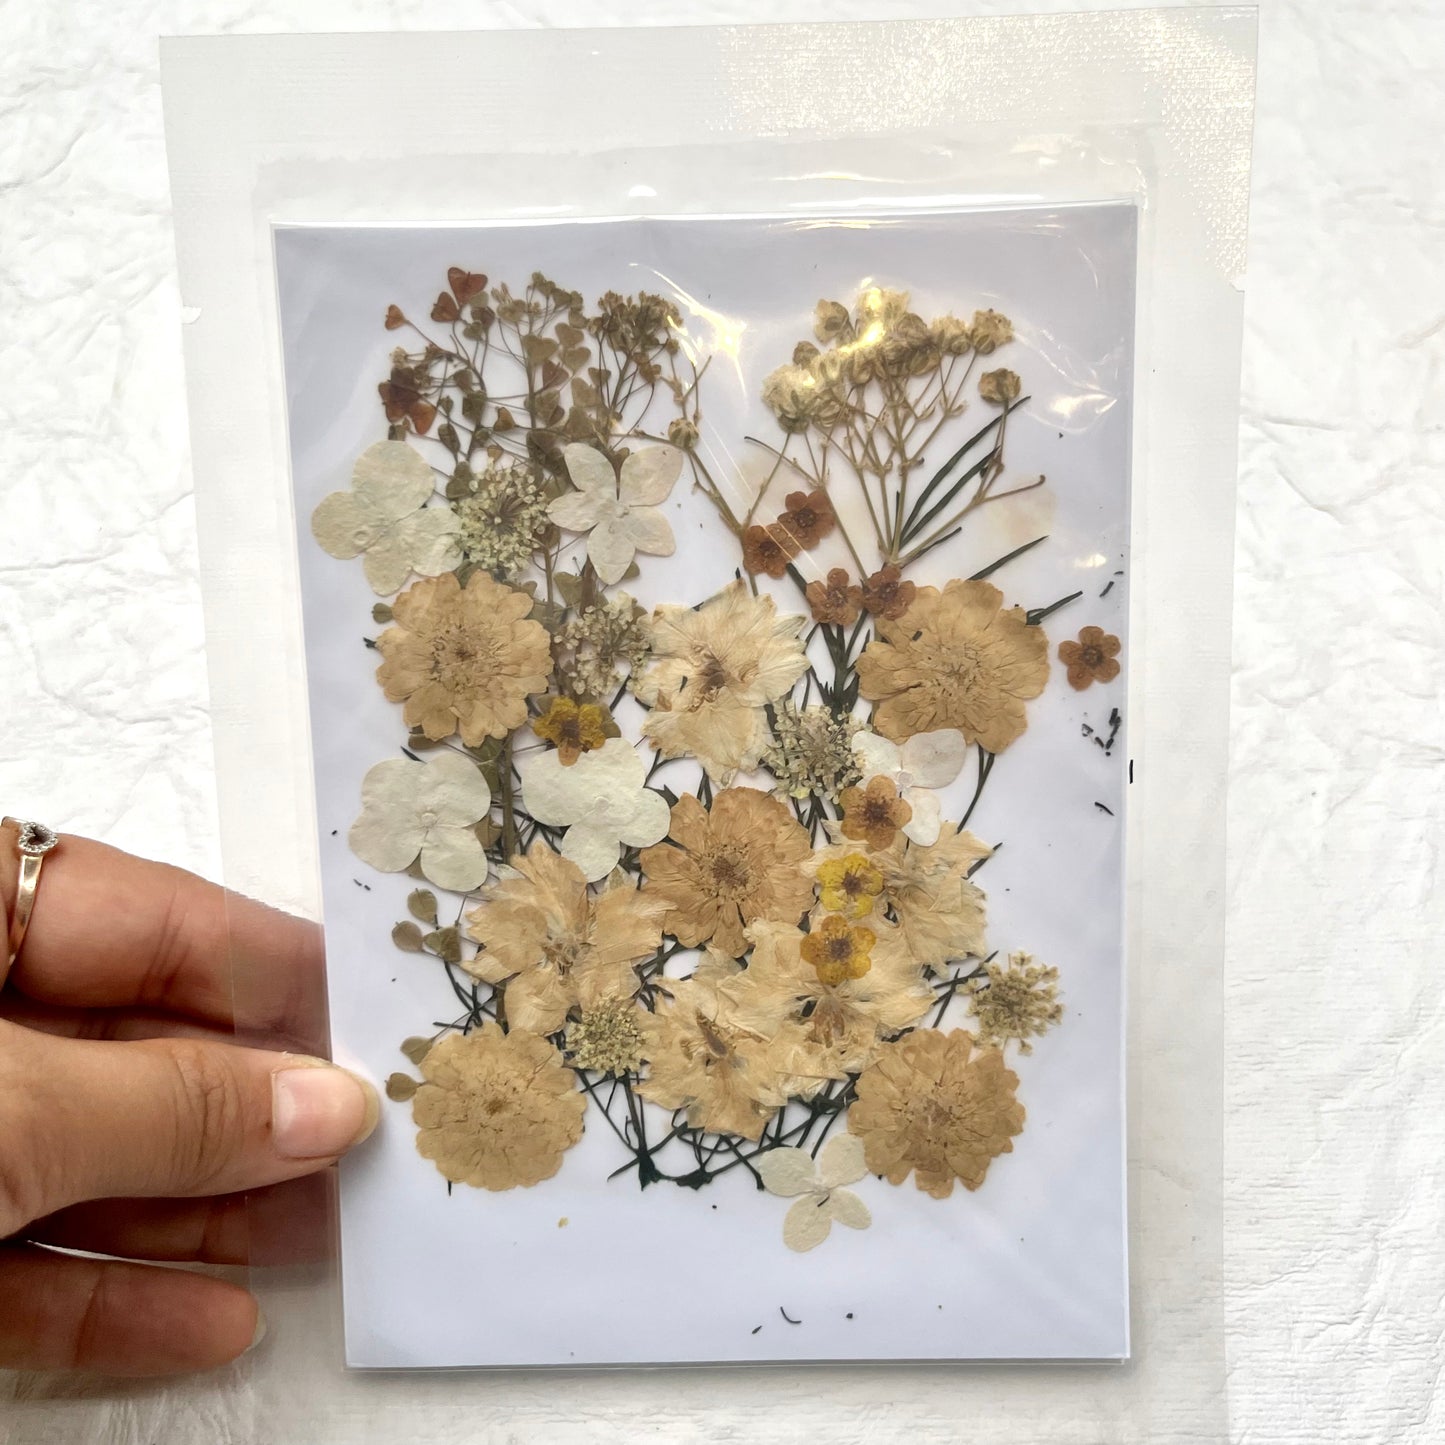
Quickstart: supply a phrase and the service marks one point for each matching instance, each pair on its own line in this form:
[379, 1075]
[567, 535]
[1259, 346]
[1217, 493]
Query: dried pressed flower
[845, 1013]
[812, 751]
[808, 518]
[925, 762]
[886, 594]
[730, 1079]
[607, 640]
[831, 322]
[934, 1106]
[955, 659]
[990, 330]
[875, 813]
[504, 520]
[429, 810]
[574, 728]
[496, 1110]
[768, 549]
[1093, 658]
[836, 600]
[725, 868]
[940, 912]
[952, 336]
[790, 1172]
[609, 1039]
[882, 306]
[557, 946]
[618, 511]
[999, 387]
[1015, 1002]
[838, 950]
[849, 885]
[682, 433]
[401, 397]
[908, 348]
[385, 517]
[715, 669]
[602, 800]
[792, 393]
[463, 660]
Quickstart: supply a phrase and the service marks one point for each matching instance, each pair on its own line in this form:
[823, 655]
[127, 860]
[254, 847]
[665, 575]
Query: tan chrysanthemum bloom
[740, 862]
[555, 945]
[939, 911]
[496, 1110]
[955, 659]
[843, 1021]
[715, 668]
[463, 660]
[934, 1106]
[730, 1078]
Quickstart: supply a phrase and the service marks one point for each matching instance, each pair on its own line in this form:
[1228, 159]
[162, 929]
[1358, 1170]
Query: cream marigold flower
[463, 660]
[955, 659]
[496, 1110]
[873, 814]
[849, 885]
[925, 762]
[386, 517]
[1015, 1002]
[715, 669]
[790, 1172]
[740, 862]
[934, 1106]
[427, 810]
[618, 511]
[557, 946]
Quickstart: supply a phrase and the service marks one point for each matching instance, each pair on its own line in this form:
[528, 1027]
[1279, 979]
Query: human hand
[132, 1123]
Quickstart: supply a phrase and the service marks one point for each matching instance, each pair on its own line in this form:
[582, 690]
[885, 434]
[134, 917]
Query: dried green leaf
[570, 587]
[416, 1049]
[400, 1087]
[421, 903]
[407, 937]
[446, 943]
[381, 612]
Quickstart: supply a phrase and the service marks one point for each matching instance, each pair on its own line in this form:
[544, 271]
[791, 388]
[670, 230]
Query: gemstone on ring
[35, 838]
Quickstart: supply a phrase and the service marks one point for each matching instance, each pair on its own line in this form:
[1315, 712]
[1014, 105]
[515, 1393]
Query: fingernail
[319, 1111]
[259, 1335]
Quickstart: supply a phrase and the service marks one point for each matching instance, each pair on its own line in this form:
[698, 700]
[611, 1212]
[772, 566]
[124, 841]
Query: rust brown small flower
[886, 594]
[808, 519]
[873, 814]
[835, 600]
[1093, 658]
[768, 549]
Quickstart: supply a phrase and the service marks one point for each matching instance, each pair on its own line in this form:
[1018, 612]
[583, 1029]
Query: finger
[65, 1313]
[163, 1118]
[289, 1223]
[113, 931]
[128, 1024]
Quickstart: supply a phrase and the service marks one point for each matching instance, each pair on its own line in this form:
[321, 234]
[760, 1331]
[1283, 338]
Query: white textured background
[1336, 1130]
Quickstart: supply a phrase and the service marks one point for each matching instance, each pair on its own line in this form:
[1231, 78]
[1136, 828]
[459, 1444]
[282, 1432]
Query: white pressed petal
[649, 531]
[841, 1161]
[616, 764]
[935, 759]
[454, 790]
[550, 792]
[344, 526]
[454, 858]
[648, 475]
[430, 539]
[845, 1206]
[927, 822]
[648, 821]
[392, 479]
[877, 757]
[578, 511]
[386, 842]
[595, 850]
[787, 1171]
[387, 562]
[590, 470]
[806, 1224]
[610, 549]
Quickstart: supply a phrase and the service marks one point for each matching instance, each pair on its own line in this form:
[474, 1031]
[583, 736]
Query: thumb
[168, 1117]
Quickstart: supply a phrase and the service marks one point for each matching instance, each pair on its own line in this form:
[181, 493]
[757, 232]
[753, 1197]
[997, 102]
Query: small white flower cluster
[501, 523]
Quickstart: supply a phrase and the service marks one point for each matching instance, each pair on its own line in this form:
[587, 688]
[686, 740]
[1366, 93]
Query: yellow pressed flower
[849, 885]
[574, 728]
[837, 950]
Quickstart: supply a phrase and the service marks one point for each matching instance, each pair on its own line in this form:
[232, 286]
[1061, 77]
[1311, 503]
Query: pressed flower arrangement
[701, 890]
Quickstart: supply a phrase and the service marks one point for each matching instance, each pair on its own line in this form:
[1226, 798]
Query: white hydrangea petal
[387, 563]
[615, 765]
[553, 794]
[393, 479]
[806, 1224]
[926, 823]
[647, 822]
[648, 475]
[935, 759]
[344, 526]
[610, 549]
[388, 835]
[845, 1206]
[453, 789]
[578, 511]
[430, 539]
[590, 470]
[595, 850]
[453, 857]
[841, 1161]
[647, 530]
[877, 757]
[787, 1171]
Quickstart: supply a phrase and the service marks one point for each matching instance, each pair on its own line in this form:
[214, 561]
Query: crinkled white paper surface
[1335, 1135]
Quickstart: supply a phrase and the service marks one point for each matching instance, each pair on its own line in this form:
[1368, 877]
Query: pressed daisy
[955, 659]
[849, 885]
[838, 950]
[873, 814]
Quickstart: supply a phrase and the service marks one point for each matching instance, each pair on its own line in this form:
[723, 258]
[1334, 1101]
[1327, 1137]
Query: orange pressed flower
[574, 728]
[768, 549]
[886, 594]
[873, 814]
[808, 519]
[835, 600]
[1093, 658]
[837, 950]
